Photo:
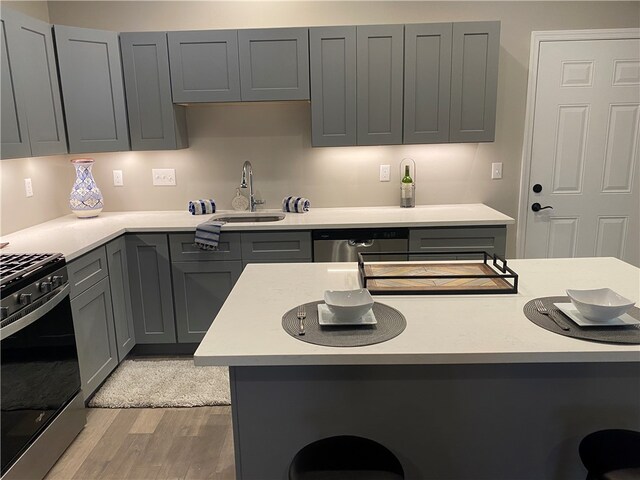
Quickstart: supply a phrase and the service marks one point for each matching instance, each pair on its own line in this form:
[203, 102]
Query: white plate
[572, 312]
[326, 317]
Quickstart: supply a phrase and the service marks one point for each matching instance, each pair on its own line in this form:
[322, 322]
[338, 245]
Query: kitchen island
[471, 389]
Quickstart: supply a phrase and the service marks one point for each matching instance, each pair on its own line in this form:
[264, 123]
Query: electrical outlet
[385, 173]
[28, 187]
[164, 176]
[118, 180]
[496, 170]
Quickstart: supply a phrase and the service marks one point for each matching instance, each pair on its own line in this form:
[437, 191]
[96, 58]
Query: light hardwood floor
[151, 443]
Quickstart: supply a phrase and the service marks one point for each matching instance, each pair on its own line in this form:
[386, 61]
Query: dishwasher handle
[360, 243]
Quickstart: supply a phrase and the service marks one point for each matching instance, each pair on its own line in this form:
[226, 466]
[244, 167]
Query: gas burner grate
[13, 266]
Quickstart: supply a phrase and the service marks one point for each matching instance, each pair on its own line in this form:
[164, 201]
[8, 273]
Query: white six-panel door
[584, 151]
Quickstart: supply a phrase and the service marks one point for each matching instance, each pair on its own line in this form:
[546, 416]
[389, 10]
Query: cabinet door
[155, 123]
[474, 81]
[200, 289]
[92, 88]
[427, 78]
[151, 292]
[380, 64]
[14, 133]
[204, 66]
[274, 64]
[95, 335]
[332, 52]
[120, 296]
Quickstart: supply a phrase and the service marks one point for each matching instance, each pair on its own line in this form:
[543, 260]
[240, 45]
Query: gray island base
[470, 390]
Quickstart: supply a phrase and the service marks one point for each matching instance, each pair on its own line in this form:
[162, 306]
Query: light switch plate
[164, 176]
[385, 173]
[496, 170]
[28, 187]
[118, 180]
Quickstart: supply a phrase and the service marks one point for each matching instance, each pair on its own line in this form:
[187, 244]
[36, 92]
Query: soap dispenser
[407, 184]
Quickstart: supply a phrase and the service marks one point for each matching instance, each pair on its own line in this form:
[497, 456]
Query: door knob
[536, 207]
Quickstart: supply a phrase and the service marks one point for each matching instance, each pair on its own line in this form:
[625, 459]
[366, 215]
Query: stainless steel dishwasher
[343, 245]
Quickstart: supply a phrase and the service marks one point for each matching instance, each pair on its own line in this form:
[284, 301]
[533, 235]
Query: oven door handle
[39, 312]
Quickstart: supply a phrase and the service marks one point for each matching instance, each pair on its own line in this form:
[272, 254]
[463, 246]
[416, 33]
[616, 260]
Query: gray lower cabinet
[199, 291]
[92, 89]
[120, 296]
[332, 58]
[151, 290]
[155, 123]
[427, 81]
[95, 335]
[474, 81]
[87, 270]
[457, 240]
[32, 120]
[204, 66]
[274, 64]
[379, 84]
[274, 247]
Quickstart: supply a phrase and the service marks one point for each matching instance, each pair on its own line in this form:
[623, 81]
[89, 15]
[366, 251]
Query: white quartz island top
[74, 237]
[444, 329]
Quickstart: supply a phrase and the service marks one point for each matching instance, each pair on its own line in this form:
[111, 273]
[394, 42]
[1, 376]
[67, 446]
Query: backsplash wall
[275, 137]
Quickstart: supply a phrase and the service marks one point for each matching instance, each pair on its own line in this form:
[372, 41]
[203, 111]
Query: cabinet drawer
[276, 246]
[183, 249]
[458, 239]
[86, 271]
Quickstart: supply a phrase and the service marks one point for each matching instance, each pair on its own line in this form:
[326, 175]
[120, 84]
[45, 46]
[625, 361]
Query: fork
[543, 310]
[302, 314]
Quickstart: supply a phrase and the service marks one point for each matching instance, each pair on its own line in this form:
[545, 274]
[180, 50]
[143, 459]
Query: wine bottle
[406, 189]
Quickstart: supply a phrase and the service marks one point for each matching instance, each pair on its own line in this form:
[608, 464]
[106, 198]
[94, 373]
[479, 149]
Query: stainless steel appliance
[343, 245]
[42, 409]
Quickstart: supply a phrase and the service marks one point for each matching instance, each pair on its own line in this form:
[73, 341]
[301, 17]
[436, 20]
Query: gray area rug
[163, 383]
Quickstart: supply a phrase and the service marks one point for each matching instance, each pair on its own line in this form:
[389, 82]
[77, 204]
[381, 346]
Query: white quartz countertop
[445, 329]
[74, 237]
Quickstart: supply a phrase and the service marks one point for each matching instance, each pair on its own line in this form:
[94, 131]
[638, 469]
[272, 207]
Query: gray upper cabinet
[427, 79]
[92, 89]
[332, 52]
[274, 64]
[120, 296]
[155, 123]
[204, 66]
[379, 96]
[474, 81]
[32, 120]
[151, 290]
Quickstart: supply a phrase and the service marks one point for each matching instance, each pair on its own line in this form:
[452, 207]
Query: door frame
[525, 168]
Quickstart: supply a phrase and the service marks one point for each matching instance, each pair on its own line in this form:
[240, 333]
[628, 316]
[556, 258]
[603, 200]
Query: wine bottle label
[406, 190]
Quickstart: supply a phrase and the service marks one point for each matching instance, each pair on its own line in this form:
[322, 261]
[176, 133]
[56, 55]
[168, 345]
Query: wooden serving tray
[375, 274]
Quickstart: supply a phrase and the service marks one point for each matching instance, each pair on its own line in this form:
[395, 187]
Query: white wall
[275, 137]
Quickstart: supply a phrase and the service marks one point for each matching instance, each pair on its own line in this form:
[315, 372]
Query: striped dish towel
[208, 235]
[202, 207]
[295, 204]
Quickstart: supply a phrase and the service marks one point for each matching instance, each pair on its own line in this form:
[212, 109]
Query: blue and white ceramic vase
[86, 200]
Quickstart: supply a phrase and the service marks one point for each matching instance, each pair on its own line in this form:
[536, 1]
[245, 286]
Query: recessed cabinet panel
[474, 81]
[93, 91]
[274, 64]
[427, 77]
[332, 53]
[155, 122]
[380, 74]
[120, 296]
[204, 66]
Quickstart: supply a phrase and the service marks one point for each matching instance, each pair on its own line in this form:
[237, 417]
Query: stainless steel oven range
[41, 404]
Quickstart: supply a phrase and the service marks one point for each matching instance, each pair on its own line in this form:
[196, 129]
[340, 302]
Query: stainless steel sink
[248, 217]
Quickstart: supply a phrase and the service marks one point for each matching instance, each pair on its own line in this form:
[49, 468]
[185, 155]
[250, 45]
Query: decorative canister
[86, 199]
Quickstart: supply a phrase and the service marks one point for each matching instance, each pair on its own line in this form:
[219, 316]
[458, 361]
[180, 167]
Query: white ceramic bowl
[348, 305]
[599, 305]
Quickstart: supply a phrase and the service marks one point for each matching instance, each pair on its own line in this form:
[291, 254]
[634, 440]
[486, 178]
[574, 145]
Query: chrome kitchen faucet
[246, 169]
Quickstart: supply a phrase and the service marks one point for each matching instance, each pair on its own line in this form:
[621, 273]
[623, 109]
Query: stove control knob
[46, 287]
[4, 313]
[57, 280]
[24, 298]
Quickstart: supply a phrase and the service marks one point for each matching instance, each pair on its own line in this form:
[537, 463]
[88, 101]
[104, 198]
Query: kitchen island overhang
[470, 376]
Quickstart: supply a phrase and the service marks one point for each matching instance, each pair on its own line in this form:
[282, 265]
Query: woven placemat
[624, 334]
[390, 324]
